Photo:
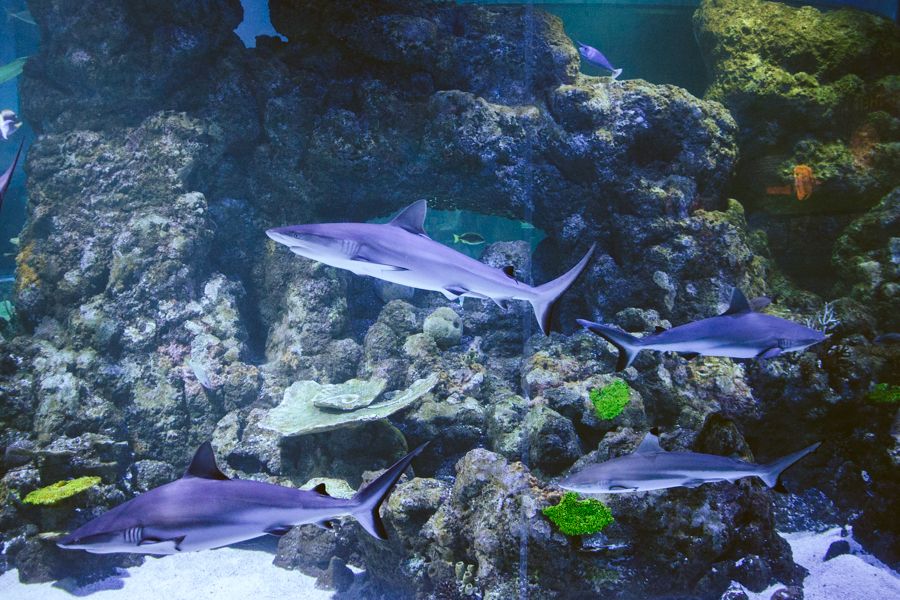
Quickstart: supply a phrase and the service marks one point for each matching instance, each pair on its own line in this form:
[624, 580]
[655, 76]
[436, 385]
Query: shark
[205, 509]
[739, 332]
[401, 252]
[650, 467]
[6, 177]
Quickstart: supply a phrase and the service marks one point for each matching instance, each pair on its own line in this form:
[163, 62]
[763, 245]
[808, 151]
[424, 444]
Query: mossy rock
[884, 393]
[579, 517]
[59, 491]
[808, 88]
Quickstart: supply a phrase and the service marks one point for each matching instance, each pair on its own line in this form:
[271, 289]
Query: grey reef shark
[739, 332]
[596, 58]
[6, 177]
[401, 252]
[205, 509]
[650, 467]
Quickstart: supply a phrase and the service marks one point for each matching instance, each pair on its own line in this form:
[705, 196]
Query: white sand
[248, 574]
[856, 576]
[213, 574]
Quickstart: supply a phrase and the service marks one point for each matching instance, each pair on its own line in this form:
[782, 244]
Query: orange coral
[804, 182]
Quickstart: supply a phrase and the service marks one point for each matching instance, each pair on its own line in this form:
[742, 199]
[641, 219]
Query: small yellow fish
[471, 239]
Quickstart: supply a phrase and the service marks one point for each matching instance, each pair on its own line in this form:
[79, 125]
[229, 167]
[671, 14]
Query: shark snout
[578, 483]
[280, 235]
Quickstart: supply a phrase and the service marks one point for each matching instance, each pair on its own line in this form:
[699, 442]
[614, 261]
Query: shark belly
[710, 347]
[441, 278]
[237, 527]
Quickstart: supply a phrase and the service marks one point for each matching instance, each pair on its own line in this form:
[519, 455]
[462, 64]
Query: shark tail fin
[627, 345]
[370, 498]
[549, 293]
[771, 472]
[615, 74]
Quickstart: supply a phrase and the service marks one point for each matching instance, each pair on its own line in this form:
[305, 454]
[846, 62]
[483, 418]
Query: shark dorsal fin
[650, 443]
[412, 218]
[320, 489]
[739, 304]
[760, 303]
[203, 465]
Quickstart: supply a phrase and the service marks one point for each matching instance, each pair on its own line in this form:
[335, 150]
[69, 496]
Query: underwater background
[747, 144]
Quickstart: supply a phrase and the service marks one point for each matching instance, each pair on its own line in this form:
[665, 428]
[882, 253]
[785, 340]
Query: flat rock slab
[299, 415]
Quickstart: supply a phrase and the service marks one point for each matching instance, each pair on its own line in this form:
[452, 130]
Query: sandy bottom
[241, 573]
[857, 576]
[247, 573]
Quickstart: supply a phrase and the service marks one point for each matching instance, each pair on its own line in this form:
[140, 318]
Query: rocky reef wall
[816, 100]
[157, 315]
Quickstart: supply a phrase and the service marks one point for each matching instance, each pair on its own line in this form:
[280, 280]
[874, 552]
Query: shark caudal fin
[370, 498]
[549, 293]
[615, 74]
[627, 345]
[771, 472]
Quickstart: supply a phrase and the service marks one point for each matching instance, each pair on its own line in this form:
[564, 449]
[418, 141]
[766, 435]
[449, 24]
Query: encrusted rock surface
[809, 89]
[155, 314]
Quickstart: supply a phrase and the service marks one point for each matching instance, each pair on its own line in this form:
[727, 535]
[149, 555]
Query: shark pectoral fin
[360, 256]
[325, 524]
[452, 292]
[163, 546]
[769, 352]
[738, 305]
[321, 490]
[690, 355]
[278, 530]
[503, 304]
[650, 443]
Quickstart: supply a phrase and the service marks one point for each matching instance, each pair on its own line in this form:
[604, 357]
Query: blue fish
[6, 178]
[596, 58]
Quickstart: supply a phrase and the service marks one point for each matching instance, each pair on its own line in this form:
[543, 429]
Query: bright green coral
[579, 517]
[609, 401]
[59, 491]
[884, 393]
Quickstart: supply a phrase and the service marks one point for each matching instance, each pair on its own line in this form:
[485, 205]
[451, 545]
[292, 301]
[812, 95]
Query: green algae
[59, 491]
[884, 393]
[609, 401]
[579, 517]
